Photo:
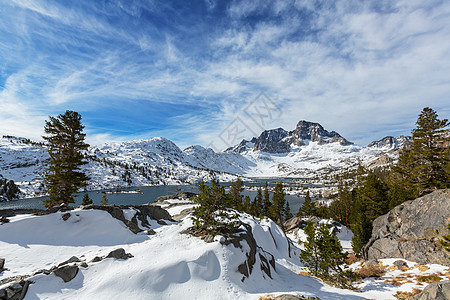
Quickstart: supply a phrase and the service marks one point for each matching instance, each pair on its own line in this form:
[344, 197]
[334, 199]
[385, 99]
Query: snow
[166, 265]
[159, 161]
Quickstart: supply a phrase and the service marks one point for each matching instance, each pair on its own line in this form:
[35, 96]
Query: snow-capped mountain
[310, 150]
[390, 142]
[282, 141]
[306, 151]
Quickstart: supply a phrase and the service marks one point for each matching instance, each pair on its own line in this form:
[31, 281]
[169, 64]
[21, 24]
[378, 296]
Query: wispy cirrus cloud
[136, 69]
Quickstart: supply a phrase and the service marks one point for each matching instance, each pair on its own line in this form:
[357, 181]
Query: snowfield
[166, 265]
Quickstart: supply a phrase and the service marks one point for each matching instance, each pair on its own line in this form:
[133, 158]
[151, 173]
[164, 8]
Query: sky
[213, 72]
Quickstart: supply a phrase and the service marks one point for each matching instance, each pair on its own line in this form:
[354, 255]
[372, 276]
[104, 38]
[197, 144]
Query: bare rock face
[435, 291]
[412, 230]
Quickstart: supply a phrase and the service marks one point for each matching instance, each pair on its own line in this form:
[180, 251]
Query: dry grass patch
[400, 280]
[351, 258]
[406, 295]
[267, 297]
[304, 273]
[422, 268]
[372, 271]
[430, 278]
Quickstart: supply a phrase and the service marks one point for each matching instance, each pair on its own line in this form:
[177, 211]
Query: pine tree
[235, 194]
[246, 204]
[362, 231]
[310, 256]
[104, 199]
[278, 205]
[423, 164]
[86, 200]
[307, 208]
[287, 212]
[266, 204]
[258, 203]
[212, 214]
[65, 142]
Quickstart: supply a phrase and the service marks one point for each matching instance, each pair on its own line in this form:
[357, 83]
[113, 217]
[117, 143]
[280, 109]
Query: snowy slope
[166, 265]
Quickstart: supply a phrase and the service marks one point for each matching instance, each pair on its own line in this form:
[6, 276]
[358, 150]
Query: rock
[150, 231]
[65, 216]
[371, 262]
[24, 289]
[435, 291]
[119, 254]
[84, 264]
[300, 223]
[66, 273]
[183, 214]
[161, 222]
[96, 259]
[295, 297]
[70, 260]
[4, 220]
[2, 264]
[16, 291]
[399, 264]
[235, 237]
[412, 230]
[142, 213]
[182, 195]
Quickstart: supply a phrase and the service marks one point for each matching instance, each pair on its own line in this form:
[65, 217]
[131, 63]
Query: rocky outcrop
[254, 255]
[272, 141]
[182, 195]
[143, 212]
[295, 297]
[412, 230]
[15, 291]
[316, 133]
[435, 291]
[66, 273]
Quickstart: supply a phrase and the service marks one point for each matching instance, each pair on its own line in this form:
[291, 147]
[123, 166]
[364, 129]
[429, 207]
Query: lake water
[147, 194]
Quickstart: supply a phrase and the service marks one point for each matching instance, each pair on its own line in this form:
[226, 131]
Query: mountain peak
[280, 141]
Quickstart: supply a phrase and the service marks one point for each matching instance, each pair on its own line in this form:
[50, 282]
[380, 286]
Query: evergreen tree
[310, 256]
[331, 253]
[86, 200]
[267, 204]
[323, 255]
[423, 164]
[212, 214]
[278, 205]
[235, 194]
[65, 142]
[287, 212]
[307, 208]
[362, 231]
[104, 199]
[246, 205]
[258, 203]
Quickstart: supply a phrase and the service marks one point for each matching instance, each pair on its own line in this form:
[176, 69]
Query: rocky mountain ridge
[281, 141]
[312, 151]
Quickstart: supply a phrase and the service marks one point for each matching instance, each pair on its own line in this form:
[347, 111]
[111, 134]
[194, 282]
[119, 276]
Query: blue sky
[185, 70]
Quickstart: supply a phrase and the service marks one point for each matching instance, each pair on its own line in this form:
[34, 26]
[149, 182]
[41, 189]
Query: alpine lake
[146, 194]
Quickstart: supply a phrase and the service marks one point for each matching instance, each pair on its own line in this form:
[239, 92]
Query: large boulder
[435, 291]
[412, 230]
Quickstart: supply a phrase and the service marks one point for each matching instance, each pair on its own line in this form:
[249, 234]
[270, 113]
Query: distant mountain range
[306, 151]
